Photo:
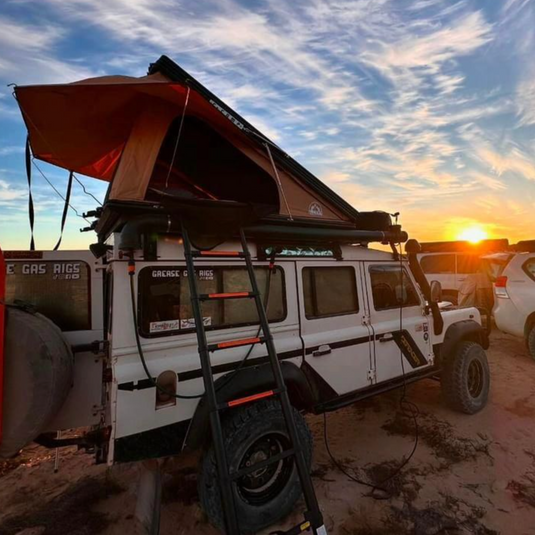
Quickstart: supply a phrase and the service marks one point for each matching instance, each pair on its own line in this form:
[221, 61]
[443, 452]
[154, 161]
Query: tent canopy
[166, 135]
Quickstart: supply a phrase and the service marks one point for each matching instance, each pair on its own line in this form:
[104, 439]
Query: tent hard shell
[164, 141]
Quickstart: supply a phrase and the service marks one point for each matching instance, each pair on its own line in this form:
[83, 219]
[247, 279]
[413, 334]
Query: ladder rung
[226, 295]
[224, 254]
[262, 464]
[248, 399]
[236, 343]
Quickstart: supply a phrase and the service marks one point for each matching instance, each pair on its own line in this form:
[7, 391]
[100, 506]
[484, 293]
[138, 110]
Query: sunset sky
[426, 107]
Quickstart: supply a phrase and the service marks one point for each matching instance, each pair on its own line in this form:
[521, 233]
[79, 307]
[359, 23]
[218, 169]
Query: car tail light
[500, 287]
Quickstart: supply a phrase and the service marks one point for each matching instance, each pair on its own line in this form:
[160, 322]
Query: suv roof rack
[523, 246]
[461, 246]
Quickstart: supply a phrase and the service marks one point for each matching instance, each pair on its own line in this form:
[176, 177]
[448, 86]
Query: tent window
[208, 166]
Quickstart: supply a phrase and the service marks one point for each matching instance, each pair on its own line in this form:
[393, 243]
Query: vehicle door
[398, 321]
[336, 338]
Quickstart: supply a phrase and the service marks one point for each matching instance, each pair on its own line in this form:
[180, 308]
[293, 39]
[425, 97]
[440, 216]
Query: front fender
[250, 381]
[460, 331]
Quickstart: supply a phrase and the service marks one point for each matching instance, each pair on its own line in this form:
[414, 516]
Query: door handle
[385, 338]
[322, 350]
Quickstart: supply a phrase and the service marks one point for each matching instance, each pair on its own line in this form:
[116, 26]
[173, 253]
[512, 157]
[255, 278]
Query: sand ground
[469, 475]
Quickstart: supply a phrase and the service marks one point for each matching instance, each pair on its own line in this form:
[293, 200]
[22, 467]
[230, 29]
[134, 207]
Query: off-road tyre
[465, 378]
[244, 429]
[531, 342]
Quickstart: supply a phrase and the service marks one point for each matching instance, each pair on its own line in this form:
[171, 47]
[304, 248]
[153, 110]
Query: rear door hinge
[372, 375]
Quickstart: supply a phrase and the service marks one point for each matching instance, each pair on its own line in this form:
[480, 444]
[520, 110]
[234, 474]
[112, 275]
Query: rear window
[440, 263]
[529, 268]
[164, 306]
[60, 290]
[468, 263]
[493, 268]
[329, 291]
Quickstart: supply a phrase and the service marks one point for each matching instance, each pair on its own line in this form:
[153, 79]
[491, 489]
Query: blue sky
[426, 107]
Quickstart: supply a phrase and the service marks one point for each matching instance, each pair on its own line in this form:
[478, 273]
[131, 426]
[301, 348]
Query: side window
[440, 263]
[164, 306]
[40, 284]
[468, 263]
[329, 291]
[390, 290]
[529, 268]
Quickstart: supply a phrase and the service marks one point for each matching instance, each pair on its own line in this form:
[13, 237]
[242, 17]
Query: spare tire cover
[38, 370]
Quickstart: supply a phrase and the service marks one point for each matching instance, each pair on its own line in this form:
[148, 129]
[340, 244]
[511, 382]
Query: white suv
[514, 290]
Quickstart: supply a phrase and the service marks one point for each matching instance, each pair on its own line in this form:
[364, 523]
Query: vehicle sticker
[315, 209]
[164, 326]
[190, 322]
[202, 274]
[409, 348]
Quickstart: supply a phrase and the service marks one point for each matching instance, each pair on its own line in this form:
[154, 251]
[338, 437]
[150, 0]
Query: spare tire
[38, 371]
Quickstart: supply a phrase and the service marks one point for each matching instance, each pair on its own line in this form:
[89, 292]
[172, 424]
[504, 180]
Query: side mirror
[436, 291]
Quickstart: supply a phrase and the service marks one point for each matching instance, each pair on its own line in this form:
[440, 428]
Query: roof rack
[523, 246]
[461, 246]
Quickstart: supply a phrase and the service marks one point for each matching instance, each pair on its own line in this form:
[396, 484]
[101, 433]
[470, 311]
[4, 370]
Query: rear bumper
[508, 318]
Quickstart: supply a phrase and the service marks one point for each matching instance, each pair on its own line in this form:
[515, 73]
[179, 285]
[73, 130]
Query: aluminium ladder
[313, 516]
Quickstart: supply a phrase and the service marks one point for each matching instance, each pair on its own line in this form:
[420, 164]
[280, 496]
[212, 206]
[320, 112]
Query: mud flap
[149, 497]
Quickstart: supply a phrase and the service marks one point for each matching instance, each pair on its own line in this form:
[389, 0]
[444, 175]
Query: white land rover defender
[346, 322]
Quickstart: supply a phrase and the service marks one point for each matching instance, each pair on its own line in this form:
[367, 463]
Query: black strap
[30, 198]
[65, 209]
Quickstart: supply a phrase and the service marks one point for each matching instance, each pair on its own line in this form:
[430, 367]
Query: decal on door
[409, 348]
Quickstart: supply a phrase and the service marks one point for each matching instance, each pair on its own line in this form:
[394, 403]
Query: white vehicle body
[454, 270]
[514, 291]
[349, 353]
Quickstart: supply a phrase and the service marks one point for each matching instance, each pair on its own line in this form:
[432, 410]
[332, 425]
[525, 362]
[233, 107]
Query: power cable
[404, 404]
[58, 193]
[85, 191]
[226, 380]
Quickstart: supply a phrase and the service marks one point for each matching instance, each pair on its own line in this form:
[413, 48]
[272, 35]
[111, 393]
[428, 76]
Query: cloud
[383, 99]
[489, 181]
[10, 193]
[514, 161]
[525, 102]
[425, 49]
[11, 149]
[28, 54]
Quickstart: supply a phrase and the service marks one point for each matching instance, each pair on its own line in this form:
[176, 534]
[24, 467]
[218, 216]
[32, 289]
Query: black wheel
[531, 342]
[253, 434]
[466, 378]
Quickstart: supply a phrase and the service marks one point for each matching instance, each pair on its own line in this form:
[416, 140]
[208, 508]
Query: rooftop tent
[165, 139]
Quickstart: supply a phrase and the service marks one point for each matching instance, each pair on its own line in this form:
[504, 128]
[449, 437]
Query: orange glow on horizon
[473, 234]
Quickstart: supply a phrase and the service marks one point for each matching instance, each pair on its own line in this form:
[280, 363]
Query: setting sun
[473, 234]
